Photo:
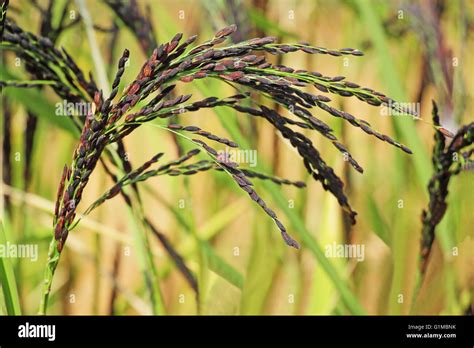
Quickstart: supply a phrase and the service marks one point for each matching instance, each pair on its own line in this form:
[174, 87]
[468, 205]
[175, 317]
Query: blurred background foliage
[415, 51]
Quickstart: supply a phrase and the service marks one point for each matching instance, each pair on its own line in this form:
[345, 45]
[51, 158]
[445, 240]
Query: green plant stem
[145, 259]
[51, 265]
[97, 57]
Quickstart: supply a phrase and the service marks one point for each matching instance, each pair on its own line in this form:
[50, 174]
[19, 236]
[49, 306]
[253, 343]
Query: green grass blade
[329, 231]
[395, 88]
[145, 261]
[377, 222]
[99, 64]
[7, 279]
[298, 227]
[35, 102]
[407, 130]
[215, 262]
[261, 270]
[221, 267]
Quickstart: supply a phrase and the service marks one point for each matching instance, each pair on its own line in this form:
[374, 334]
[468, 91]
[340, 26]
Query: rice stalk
[448, 161]
[148, 97]
[64, 89]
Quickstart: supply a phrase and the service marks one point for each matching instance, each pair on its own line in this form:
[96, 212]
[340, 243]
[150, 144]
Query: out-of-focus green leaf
[35, 102]
[378, 224]
[222, 268]
[261, 269]
[7, 278]
[270, 27]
